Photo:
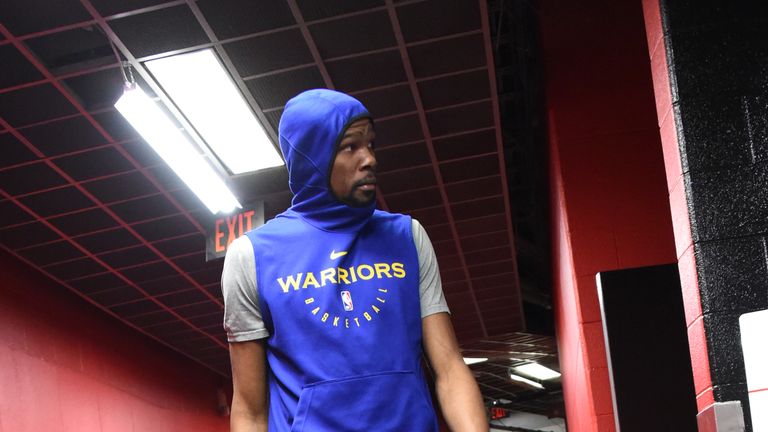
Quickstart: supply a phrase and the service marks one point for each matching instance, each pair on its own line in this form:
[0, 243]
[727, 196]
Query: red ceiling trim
[58, 29]
[50, 242]
[60, 77]
[102, 254]
[360, 54]
[57, 119]
[64, 186]
[144, 10]
[396, 116]
[444, 38]
[49, 120]
[170, 293]
[474, 218]
[72, 153]
[452, 203]
[277, 72]
[95, 207]
[473, 236]
[458, 105]
[465, 132]
[460, 159]
[377, 88]
[157, 261]
[22, 86]
[450, 74]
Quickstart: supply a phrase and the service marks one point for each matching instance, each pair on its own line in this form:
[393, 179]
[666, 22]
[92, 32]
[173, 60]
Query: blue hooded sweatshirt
[338, 288]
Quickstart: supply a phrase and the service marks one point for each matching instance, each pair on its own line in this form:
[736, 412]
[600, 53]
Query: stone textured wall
[717, 59]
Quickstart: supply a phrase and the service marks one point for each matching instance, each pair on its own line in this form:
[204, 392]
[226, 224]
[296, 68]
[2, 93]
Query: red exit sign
[228, 227]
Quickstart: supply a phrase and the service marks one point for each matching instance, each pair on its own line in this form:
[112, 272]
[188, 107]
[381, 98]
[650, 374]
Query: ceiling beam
[395, 21]
[500, 146]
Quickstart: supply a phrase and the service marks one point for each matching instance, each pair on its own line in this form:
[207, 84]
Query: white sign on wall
[754, 342]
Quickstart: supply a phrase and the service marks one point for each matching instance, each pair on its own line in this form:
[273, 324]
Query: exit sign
[227, 228]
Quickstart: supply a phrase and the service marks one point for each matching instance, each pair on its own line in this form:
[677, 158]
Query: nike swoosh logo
[335, 255]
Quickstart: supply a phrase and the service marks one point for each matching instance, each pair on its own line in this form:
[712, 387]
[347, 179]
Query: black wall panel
[647, 348]
[717, 52]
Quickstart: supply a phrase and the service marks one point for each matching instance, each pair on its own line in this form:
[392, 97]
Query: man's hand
[249, 401]
[457, 391]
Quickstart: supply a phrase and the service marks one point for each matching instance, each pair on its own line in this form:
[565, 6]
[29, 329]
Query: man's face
[353, 175]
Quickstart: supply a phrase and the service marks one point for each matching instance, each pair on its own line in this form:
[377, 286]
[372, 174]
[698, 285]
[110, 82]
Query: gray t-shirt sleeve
[430, 286]
[242, 314]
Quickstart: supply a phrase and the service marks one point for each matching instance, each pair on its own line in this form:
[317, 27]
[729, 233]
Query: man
[329, 305]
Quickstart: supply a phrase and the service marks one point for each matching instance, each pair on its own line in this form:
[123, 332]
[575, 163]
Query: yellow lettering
[310, 280]
[335, 321]
[357, 322]
[346, 322]
[380, 299]
[398, 270]
[328, 274]
[315, 311]
[366, 267]
[309, 300]
[325, 317]
[342, 274]
[338, 275]
[375, 309]
[293, 281]
[367, 316]
[382, 268]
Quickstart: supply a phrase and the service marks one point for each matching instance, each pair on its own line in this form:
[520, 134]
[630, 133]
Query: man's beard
[353, 201]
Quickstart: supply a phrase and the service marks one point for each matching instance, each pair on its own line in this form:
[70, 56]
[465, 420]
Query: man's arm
[249, 378]
[457, 390]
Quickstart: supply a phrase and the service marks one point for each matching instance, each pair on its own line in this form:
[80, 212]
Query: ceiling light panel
[525, 381]
[204, 92]
[537, 371]
[170, 143]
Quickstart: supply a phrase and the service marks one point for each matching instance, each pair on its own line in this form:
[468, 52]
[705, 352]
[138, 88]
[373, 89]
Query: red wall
[657, 52]
[610, 207]
[65, 366]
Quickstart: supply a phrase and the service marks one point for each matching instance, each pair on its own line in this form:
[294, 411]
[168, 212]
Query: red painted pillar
[678, 205]
[709, 82]
[609, 200]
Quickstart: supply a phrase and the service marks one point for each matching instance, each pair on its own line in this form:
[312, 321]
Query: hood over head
[310, 129]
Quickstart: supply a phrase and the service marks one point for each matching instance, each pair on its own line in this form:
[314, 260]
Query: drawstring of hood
[310, 130]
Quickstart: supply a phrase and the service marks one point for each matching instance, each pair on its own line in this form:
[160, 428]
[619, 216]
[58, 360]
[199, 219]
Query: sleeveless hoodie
[339, 291]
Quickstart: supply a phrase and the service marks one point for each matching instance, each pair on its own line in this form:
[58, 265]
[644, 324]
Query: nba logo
[346, 298]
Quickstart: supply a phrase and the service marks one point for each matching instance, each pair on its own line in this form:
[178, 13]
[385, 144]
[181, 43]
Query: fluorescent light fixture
[159, 131]
[204, 92]
[473, 360]
[537, 371]
[525, 381]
